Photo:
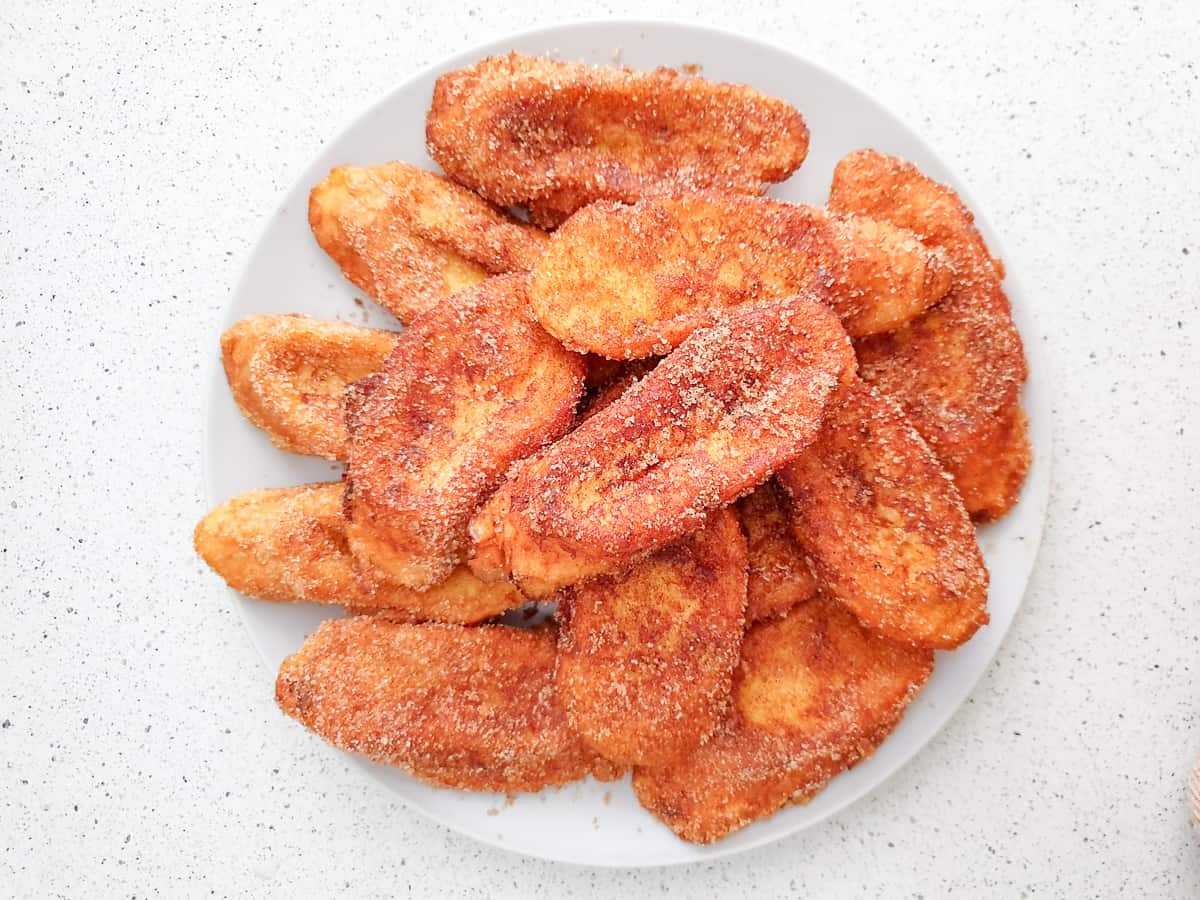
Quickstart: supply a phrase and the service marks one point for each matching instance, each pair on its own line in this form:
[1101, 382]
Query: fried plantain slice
[467, 708]
[710, 422]
[409, 238]
[472, 386]
[628, 281]
[957, 370]
[885, 526]
[287, 374]
[288, 545]
[645, 659]
[815, 693]
[780, 574]
[555, 136]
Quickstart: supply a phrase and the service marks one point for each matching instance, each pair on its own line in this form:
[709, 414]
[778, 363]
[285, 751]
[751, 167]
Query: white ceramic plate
[591, 823]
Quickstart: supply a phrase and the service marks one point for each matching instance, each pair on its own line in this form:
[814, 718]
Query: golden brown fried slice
[628, 281]
[409, 238]
[468, 708]
[815, 693]
[780, 574]
[645, 658]
[287, 373]
[710, 422]
[555, 136]
[472, 386]
[288, 545]
[957, 371]
[885, 526]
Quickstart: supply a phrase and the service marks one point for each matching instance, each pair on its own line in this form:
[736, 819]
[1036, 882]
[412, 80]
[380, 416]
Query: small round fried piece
[555, 136]
[645, 659]
[779, 574]
[287, 374]
[467, 708]
[409, 238]
[885, 526]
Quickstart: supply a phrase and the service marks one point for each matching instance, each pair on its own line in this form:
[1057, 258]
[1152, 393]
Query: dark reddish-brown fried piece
[467, 708]
[288, 545]
[815, 693]
[287, 374]
[956, 371]
[555, 136]
[629, 281]
[885, 526]
[472, 386]
[409, 238]
[710, 422]
[780, 574]
[645, 658]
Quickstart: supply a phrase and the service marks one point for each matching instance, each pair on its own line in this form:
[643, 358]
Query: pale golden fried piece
[555, 136]
[780, 574]
[645, 659]
[885, 526]
[287, 374]
[956, 371]
[409, 238]
[472, 386]
[710, 422]
[468, 708]
[628, 281]
[288, 545]
[815, 693]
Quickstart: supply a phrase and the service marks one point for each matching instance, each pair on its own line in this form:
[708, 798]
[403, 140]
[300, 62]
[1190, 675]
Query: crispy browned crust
[814, 694]
[409, 238]
[604, 395]
[288, 545]
[629, 281]
[472, 386]
[957, 371]
[645, 659]
[555, 136]
[780, 574]
[287, 374]
[467, 708]
[885, 526]
[710, 422]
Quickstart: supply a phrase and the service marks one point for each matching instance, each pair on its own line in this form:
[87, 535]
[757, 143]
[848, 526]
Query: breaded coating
[956, 371]
[645, 659]
[472, 386]
[885, 526]
[629, 281]
[287, 374]
[711, 421]
[780, 574]
[555, 136]
[467, 708]
[409, 238]
[288, 545]
[815, 693]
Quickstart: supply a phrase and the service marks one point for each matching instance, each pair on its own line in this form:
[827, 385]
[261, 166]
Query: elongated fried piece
[779, 572]
[815, 693]
[885, 526]
[472, 386]
[555, 136]
[287, 374]
[710, 422]
[288, 545]
[957, 371]
[645, 659]
[409, 238]
[467, 708]
[628, 281]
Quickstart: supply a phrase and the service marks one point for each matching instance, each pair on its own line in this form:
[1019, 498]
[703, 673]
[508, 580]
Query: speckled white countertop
[140, 751]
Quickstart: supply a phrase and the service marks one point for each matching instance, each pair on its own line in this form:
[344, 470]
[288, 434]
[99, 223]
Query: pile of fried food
[739, 443]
